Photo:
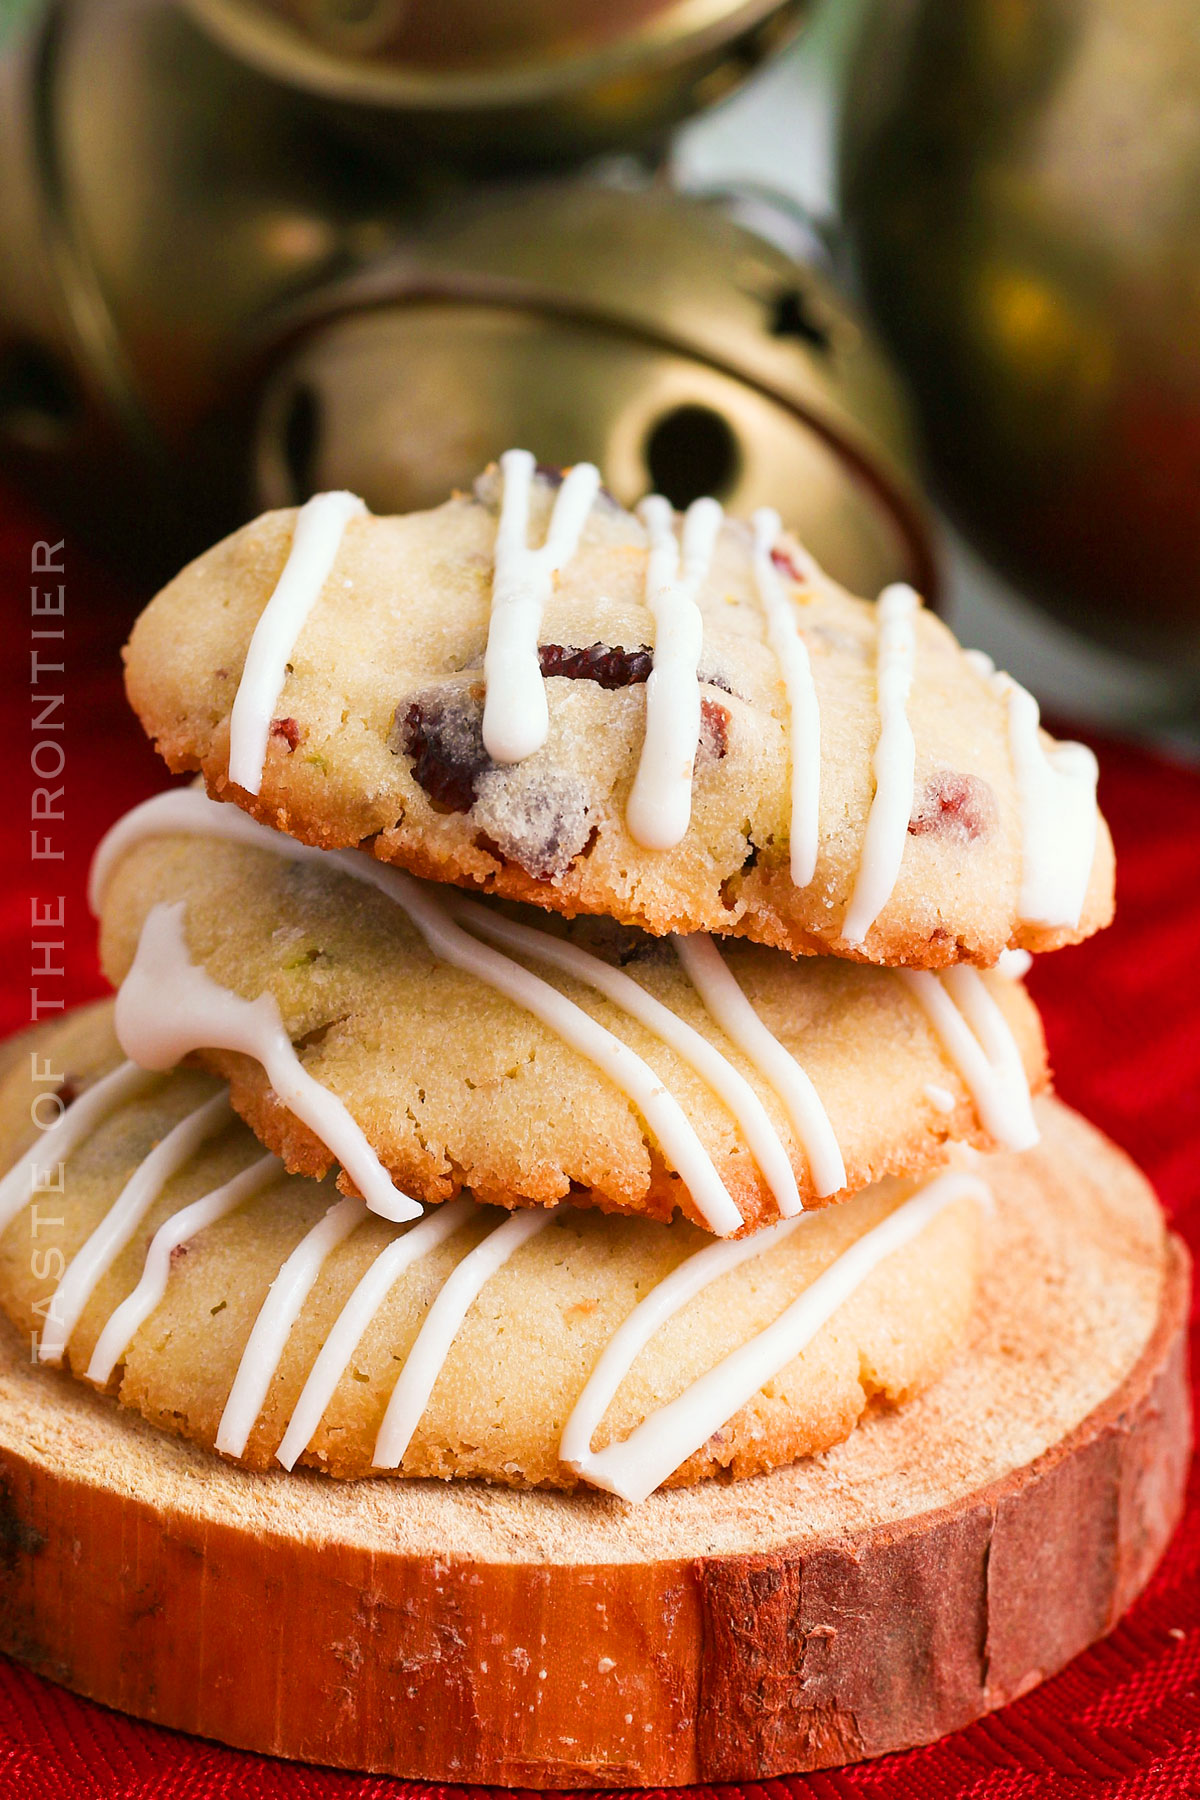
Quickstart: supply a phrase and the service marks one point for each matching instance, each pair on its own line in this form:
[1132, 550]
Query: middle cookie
[486, 1046]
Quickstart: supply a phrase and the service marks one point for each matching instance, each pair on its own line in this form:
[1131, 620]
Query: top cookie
[681, 724]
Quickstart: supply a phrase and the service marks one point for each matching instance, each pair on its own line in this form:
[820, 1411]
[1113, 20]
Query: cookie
[479, 1045]
[682, 725]
[214, 1296]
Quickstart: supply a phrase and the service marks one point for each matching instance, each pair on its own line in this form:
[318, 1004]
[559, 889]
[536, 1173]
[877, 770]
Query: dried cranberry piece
[445, 742]
[714, 729]
[609, 667]
[956, 806]
[288, 730]
[534, 817]
[786, 566]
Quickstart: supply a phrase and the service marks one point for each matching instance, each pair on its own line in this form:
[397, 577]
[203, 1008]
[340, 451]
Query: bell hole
[39, 403]
[690, 452]
[793, 315]
[302, 439]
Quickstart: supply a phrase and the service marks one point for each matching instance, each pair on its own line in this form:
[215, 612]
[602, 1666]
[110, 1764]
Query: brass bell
[642, 331]
[1022, 182]
[512, 80]
[209, 304]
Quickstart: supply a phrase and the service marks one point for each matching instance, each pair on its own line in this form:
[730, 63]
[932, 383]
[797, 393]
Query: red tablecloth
[1121, 1017]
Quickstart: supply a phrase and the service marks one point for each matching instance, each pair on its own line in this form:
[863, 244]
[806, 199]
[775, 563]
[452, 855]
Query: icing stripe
[95, 1258]
[894, 764]
[188, 810]
[278, 1313]
[804, 717]
[320, 526]
[975, 1035]
[724, 1000]
[715, 1070]
[204, 1015]
[660, 803]
[676, 1136]
[658, 1446]
[1060, 820]
[137, 1307]
[441, 1326]
[76, 1121]
[516, 719]
[357, 1314]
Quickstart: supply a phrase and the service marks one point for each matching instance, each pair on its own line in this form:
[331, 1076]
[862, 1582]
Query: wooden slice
[946, 1558]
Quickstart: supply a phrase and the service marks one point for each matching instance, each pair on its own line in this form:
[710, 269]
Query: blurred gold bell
[521, 80]
[208, 305]
[1022, 182]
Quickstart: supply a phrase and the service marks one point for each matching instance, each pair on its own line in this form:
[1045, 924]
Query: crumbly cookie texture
[377, 737]
[527, 1345]
[456, 1086]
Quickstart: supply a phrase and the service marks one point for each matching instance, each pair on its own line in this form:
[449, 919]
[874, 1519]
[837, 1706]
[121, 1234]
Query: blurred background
[923, 274]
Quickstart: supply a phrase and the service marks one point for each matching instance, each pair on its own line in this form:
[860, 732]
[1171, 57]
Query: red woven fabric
[1121, 1016]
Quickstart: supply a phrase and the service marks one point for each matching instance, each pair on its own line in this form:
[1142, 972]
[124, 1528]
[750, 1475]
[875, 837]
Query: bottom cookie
[944, 1559]
[164, 1259]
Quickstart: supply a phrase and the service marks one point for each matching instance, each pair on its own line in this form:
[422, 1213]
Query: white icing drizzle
[1060, 821]
[976, 1036]
[676, 1135]
[191, 811]
[725, 1002]
[76, 1121]
[660, 803]
[893, 763]
[278, 1313]
[516, 719]
[320, 527]
[804, 716]
[715, 1070]
[1015, 964]
[356, 1315]
[981, 662]
[137, 1307]
[203, 1015]
[940, 1097]
[95, 1258]
[633, 1468]
[441, 1326]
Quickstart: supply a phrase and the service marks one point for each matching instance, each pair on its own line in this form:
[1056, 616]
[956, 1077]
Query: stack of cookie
[574, 1034]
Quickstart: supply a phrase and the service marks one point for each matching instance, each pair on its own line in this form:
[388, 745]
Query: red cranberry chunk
[288, 730]
[528, 814]
[444, 738]
[609, 667]
[714, 729]
[959, 807]
[784, 563]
